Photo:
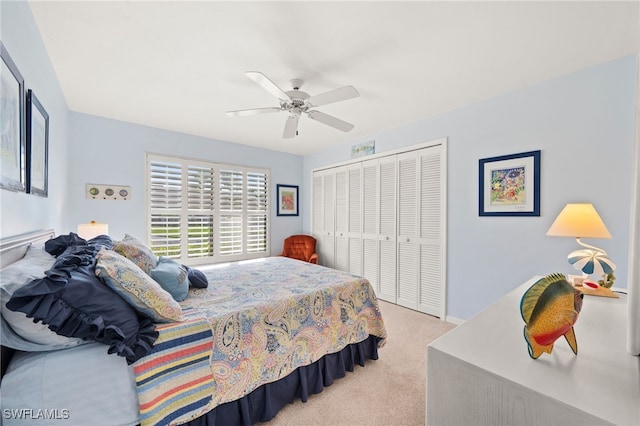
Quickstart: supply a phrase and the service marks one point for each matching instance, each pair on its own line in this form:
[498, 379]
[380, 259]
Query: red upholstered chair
[301, 247]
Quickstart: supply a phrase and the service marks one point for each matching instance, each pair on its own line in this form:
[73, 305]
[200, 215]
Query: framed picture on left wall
[12, 125]
[37, 146]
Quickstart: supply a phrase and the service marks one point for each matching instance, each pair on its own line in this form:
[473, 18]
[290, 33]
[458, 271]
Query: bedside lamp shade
[582, 221]
[579, 221]
[91, 230]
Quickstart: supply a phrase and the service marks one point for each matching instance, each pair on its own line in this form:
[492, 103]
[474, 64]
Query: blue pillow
[172, 277]
[197, 278]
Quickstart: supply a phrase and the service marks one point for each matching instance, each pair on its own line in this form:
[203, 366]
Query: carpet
[389, 391]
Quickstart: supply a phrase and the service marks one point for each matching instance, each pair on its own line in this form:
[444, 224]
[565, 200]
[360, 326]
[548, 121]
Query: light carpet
[389, 391]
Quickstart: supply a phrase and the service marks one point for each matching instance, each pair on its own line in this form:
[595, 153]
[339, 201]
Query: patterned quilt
[256, 323]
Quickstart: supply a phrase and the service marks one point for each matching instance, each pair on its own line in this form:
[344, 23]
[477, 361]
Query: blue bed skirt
[263, 404]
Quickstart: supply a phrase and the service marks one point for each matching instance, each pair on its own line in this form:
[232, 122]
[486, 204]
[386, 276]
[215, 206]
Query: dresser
[480, 373]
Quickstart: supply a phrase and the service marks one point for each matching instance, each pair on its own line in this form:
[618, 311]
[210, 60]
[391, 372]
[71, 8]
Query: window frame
[248, 217]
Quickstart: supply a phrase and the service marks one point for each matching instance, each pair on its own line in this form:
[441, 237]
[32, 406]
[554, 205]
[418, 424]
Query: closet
[384, 217]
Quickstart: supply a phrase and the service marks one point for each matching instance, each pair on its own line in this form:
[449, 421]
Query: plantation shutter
[165, 204]
[200, 201]
[231, 209]
[257, 211]
[202, 212]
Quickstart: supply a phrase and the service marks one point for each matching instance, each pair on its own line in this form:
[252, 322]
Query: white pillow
[33, 265]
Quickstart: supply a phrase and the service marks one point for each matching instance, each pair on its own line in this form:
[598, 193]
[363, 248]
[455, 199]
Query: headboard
[11, 250]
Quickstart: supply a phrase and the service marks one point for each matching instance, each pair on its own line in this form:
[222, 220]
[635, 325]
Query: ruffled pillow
[74, 302]
[137, 252]
[140, 290]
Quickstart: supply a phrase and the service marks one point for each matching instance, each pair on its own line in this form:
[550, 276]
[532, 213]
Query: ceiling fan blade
[291, 126]
[268, 85]
[341, 94]
[330, 120]
[254, 111]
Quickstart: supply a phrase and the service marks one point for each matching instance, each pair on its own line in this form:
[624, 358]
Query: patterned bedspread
[257, 322]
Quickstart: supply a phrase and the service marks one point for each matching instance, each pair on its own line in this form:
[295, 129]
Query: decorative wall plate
[108, 192]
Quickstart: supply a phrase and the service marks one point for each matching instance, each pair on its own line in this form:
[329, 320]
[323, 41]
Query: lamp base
[591, 261]
[600, 291]
[607, 281]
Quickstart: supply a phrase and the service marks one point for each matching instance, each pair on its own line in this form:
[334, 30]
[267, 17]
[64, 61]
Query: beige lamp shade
[92, 230]
[579, 221]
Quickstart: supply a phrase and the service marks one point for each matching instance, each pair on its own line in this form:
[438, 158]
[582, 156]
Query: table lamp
[91, 230]
[581, 220]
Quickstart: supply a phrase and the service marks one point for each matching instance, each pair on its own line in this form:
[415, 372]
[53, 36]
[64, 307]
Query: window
[202, 212]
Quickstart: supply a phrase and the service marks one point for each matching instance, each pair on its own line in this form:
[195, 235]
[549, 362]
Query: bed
[248, 337]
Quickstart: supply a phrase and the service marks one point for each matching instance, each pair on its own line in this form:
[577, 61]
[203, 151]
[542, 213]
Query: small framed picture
[37, 146]
[287, 200]
[509, 185]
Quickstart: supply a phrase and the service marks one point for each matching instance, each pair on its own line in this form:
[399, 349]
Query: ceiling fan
[297, 102]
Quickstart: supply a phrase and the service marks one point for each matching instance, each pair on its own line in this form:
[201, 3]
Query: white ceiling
[180, 65]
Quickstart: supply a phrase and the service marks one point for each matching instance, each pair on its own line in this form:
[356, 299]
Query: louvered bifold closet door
[387, 228]
[327, 242]
[407, 230]
[370, 201]
[389, 218]
[355, 219]
[342, 219]
[431, 287]
[317, 211]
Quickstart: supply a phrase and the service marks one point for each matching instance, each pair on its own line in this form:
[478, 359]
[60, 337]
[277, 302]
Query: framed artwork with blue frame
[509, 185]
[287, 200]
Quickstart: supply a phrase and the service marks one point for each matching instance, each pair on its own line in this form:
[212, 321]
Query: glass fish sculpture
[549, 309]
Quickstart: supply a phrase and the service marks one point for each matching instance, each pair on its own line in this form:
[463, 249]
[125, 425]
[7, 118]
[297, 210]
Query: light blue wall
[86, 149]
[583, 123]
[21, 212]
[104, 151]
